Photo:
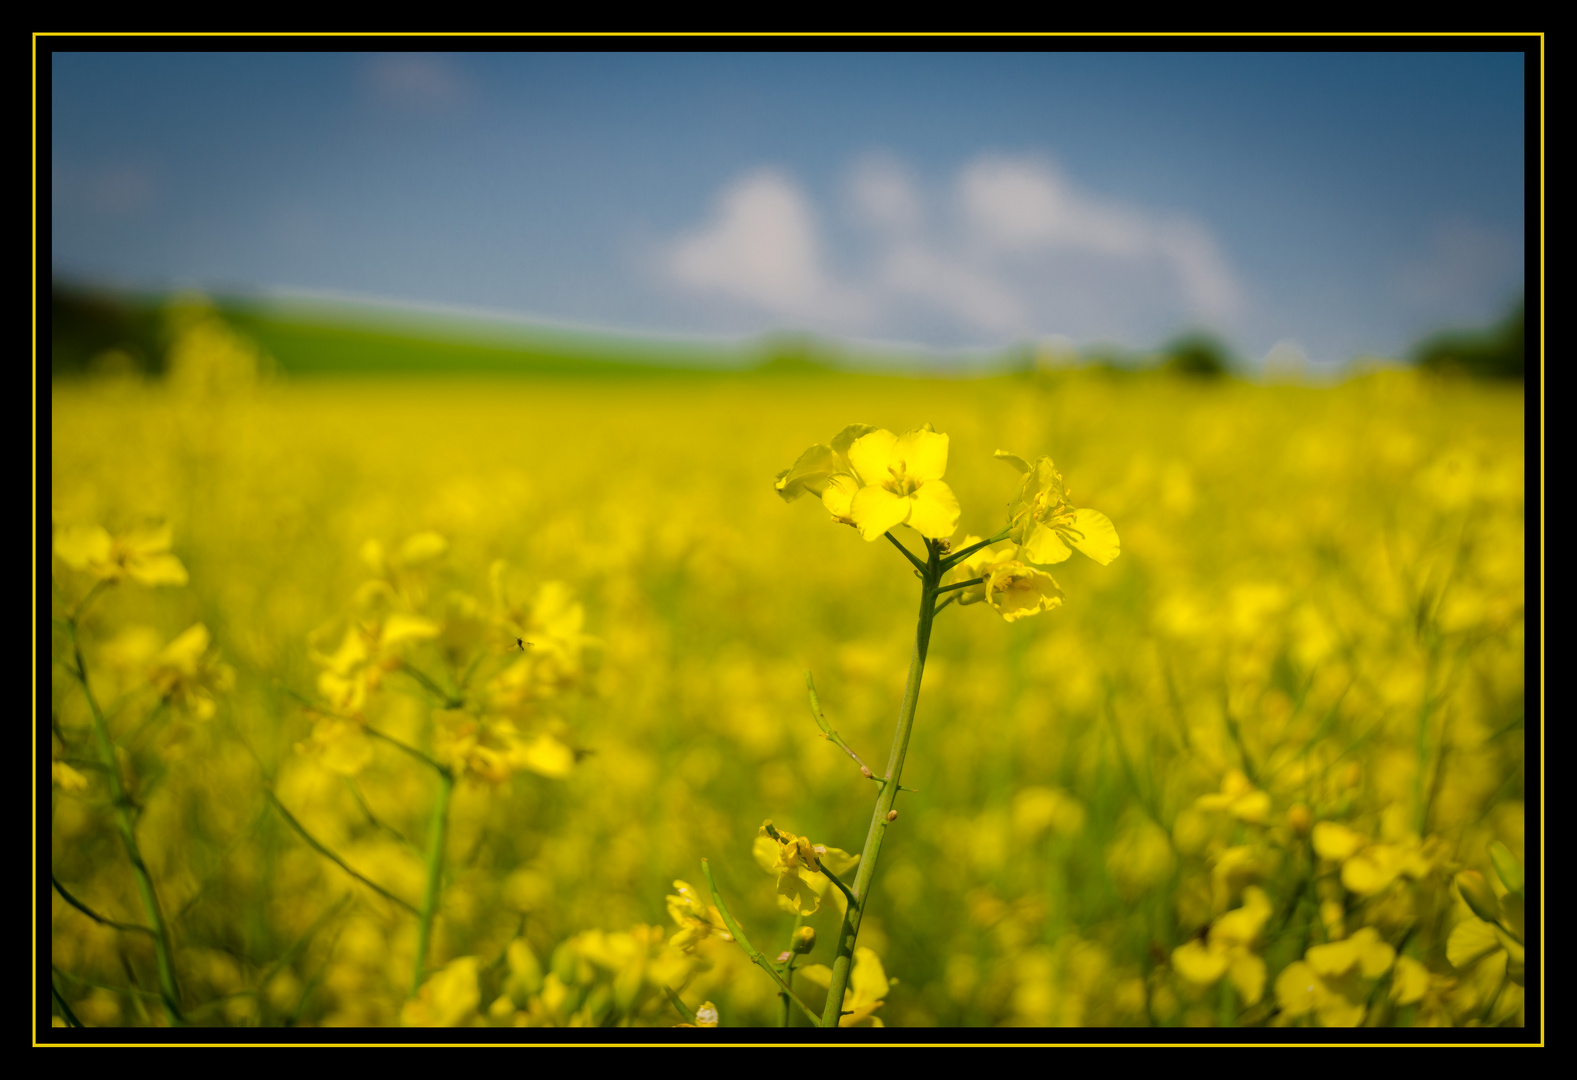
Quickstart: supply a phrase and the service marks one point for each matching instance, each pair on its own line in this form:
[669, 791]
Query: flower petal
[839, 493]
[924, 454]
[79, 545]
[875, 510]
[809, 473]
[934, 511]
[1095, 535]
[1044, 547]
[845, 438]
[157, 570]
[871, 454]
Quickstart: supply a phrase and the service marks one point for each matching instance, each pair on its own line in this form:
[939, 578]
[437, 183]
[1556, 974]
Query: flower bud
[1300, 819]
[804, 940]
[1479, 896]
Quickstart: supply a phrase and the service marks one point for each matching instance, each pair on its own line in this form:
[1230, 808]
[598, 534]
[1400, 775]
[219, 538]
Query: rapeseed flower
[867, 990]
[189, 674]
[798, 864]
[1047, 526]
[143, 555]
[1227, 949]
[876, 481]
[1334, 981]
[697, 920]
[825, 468]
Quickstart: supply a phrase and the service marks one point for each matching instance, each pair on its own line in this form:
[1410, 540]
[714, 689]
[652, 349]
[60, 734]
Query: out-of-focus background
[403, 357]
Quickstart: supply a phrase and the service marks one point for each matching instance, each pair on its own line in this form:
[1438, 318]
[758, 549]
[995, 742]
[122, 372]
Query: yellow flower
[447, 999]
[143, 555]
[825, 471]
[798, 865]
[1015, 590]
[901, 484]
[367, 650]
[1239, 798]
[867, 989]
[1046, 525]
[189, 675]
[1334, 981]
[1227, 949]
[491, 749]
[697, 921]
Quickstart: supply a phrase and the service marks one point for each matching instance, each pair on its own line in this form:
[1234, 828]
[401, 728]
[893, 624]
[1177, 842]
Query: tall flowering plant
[877, 482]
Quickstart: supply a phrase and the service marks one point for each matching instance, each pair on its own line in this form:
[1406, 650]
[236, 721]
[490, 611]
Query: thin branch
[750, 950]
[90, 913]
[918, 565]
[961, 585]
[317, 846]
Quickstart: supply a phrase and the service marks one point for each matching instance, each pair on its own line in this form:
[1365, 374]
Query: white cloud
[1014, 249]
[884, 194]
[762, 247]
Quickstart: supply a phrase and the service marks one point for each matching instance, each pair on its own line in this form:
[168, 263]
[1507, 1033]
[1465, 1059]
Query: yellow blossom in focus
[1047, 526]
[825, 471]
[798, 865]
[143, 555]
[901, 484]
[1015, 590]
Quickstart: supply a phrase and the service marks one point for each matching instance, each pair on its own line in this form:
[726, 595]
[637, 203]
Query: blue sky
[1322, 204]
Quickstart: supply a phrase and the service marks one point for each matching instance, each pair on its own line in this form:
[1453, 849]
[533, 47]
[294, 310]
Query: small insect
[521, 643]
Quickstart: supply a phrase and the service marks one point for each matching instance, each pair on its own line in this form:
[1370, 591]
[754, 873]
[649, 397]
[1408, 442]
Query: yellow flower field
[549, 638]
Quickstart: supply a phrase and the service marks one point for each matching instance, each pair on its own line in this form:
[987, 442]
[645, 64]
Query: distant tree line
[1495, 353]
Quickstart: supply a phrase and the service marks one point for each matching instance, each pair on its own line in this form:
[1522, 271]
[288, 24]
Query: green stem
[169, 991]
[959, 556]
[328, 853]
[449, 700]
[918, 565]
[437, 833]
[888, 795]
[961, 585]
[750, 950]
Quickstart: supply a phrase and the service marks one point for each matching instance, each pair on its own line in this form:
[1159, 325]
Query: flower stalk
[169, 990]
[437, 836]
[930, 582]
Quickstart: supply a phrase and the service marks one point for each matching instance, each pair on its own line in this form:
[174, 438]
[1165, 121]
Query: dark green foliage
[1496, 353]
[1198, 355]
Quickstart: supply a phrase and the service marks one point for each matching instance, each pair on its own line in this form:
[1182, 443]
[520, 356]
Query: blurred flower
[143, 555]
[189, 674]
[697, 921]
[1046, 525]
[447, 999]
[1334, 981]
[1226, 949]
[867, 989]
